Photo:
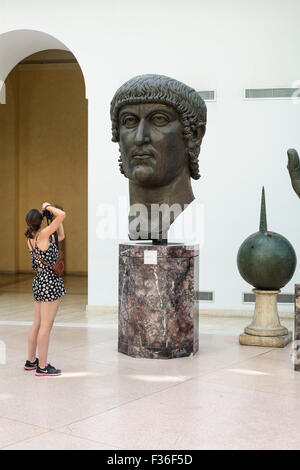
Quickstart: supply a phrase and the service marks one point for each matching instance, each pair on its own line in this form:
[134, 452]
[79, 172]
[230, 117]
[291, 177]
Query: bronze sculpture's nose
[142, 133]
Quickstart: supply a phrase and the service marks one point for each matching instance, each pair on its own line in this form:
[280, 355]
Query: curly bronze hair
[159, 88]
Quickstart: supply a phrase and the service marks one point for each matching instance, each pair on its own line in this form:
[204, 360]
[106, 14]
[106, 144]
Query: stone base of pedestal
[265, 329]
[157, 353]
[266, 341]
[158, 312]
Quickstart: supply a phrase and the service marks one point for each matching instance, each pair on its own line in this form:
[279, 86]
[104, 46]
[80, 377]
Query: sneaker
[31, 365]
[48, 370]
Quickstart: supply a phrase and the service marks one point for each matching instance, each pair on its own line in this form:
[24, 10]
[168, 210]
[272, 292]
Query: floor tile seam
[221, 369]
[243, 389]
[256, 357]
[27, 424]
[195, 376]
[26, 439]
[42, 429]
[121, 405]
[270, 350]
[232, 364]
[87, 438]
[204, 376]
[133, 370]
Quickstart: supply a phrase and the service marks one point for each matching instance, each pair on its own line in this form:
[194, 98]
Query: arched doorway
[43, 156]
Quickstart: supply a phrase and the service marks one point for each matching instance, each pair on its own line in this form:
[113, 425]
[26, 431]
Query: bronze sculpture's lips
[140, 152]
[142, 156]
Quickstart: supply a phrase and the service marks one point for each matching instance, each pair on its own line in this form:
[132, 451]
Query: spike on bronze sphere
[266, 260]
[263, 214]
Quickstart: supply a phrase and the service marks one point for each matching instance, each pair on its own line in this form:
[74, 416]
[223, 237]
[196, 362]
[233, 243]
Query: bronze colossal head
[159, 123]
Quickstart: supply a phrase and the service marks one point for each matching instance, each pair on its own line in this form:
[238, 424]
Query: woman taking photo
[47, 286]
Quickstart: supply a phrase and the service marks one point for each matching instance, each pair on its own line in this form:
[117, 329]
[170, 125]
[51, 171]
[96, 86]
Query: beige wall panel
[53, 155]
[8, 182]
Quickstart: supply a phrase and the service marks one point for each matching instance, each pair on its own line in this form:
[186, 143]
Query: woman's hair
[33, 220]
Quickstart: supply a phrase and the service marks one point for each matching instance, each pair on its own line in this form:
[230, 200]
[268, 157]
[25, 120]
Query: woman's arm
[59, 216]
[61, 233]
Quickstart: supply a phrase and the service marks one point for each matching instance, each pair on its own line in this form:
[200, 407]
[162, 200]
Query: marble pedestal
[158, 313]
[265, 329]
[296, 348]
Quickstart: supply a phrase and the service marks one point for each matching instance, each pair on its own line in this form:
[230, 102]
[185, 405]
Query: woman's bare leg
[48, 313]
[33, 333]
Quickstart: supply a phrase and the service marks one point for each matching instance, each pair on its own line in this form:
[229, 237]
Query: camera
[49, 216]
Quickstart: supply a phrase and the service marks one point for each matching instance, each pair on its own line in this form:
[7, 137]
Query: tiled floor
[227, 397]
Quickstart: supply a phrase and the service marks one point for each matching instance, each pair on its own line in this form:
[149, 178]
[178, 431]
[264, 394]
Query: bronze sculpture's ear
[195, 139]
[193, 149]
[198, 135]
[294, 169]
[201, 132]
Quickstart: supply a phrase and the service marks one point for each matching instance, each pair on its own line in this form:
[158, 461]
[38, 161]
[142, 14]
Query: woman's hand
[45, 204]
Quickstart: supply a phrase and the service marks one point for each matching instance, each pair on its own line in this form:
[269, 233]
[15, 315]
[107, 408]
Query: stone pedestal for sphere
[267, 261]
[265, 329]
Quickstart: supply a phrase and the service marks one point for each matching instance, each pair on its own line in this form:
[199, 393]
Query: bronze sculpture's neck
[176, 194]
[178, 191]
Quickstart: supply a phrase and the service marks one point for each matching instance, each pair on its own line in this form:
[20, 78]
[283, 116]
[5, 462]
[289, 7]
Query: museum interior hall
[161, 307]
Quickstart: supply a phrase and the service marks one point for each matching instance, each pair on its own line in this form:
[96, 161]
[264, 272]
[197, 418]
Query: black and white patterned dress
[46, 286]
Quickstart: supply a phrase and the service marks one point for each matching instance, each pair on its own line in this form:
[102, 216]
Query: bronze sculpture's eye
[129, 121]
[160, 119]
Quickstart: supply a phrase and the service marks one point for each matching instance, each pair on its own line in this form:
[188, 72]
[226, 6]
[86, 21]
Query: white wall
[224, 45]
